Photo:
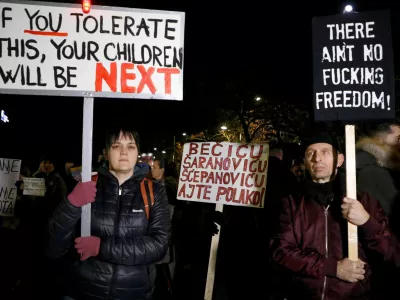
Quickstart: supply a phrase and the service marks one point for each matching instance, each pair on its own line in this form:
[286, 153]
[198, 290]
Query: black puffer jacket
[130, 244]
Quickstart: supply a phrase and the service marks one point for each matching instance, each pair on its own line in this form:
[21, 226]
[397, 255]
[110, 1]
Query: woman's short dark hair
[114, 134]
[171, 170]
[161, 162]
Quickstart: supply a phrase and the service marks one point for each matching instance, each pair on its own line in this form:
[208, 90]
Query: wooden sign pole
[351, 189]
[87, 137]
[213, 259]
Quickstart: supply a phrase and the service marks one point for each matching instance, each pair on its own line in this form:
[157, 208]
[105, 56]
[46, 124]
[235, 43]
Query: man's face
[321, 161]
[156, 171]
[393, 138]
[123, 155]
[47, 166]
[69, 165]
[298, 171]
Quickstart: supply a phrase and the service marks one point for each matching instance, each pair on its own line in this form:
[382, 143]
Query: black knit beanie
[322, 137]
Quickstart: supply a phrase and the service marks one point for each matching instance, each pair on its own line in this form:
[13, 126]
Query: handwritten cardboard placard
[225, 173]
[353, 67]
[34, 186]
[9, 175]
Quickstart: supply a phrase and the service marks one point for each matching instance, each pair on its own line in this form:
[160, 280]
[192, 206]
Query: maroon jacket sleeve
[287, 254]
[376, 234]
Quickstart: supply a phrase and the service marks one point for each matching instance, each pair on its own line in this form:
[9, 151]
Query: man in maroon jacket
[310, 242]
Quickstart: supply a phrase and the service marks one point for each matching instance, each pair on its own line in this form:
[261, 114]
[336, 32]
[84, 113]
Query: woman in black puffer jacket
[118, 259]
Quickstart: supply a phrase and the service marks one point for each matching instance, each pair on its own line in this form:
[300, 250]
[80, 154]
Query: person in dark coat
[280, 180]
[56, 190]
[66, 175]
[310, 241]
[378, 174]
[378, 164]
[118, 260]
[280, 183]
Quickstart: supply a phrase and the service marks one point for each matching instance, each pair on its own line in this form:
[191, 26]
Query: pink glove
[87, 246]
[82, 194]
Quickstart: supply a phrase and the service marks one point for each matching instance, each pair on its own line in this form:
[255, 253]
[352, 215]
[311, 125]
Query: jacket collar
[139, 173]
[324, 193]
[385, 155]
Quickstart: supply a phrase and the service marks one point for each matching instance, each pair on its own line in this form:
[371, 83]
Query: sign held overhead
[56, 49]
[353, 67]
[224, 173]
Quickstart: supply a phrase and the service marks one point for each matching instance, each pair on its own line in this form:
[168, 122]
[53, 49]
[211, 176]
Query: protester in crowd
[118, 260]
[310, 241]
[378, 174]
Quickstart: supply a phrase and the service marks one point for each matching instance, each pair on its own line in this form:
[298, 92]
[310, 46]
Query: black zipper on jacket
[326, 245]
[116, 221]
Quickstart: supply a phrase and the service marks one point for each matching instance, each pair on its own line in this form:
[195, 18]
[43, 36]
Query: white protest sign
[9, 175]
[34, 186]
[224, 173]
[56, 49]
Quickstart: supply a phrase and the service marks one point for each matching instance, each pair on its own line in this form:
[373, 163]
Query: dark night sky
[265, 45]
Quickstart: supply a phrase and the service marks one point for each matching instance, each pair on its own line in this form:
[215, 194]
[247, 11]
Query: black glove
[18, 183]
[218, 218]
[210, 220]
[212, 228]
